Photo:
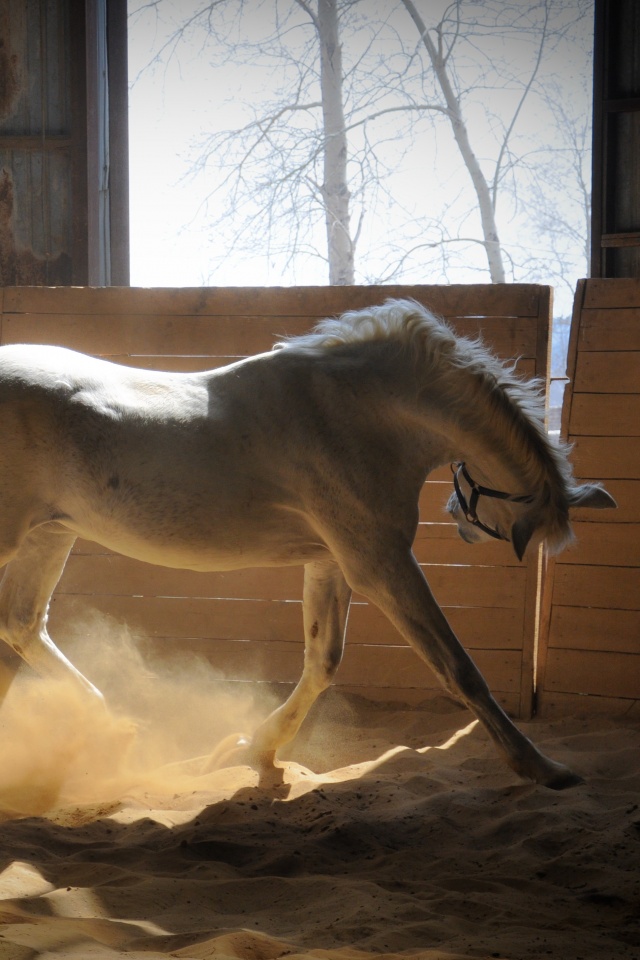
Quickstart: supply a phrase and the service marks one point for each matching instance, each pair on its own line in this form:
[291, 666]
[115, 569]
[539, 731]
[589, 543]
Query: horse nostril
[467, 535]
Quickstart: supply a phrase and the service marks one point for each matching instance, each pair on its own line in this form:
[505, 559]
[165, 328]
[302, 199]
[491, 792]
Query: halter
[477, 491]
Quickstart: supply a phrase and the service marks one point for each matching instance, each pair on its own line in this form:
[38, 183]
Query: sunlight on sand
[390, 831]
[170, 730]
[456, 738]
[165, 727]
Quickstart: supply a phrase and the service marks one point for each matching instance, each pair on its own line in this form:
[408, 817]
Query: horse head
[483, 513]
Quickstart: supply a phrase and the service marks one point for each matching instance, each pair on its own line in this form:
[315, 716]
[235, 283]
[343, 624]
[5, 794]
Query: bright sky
[176, 104]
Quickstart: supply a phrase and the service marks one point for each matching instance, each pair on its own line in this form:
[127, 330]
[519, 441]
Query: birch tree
[310, 172]
[287, 167]
[335, 188]
[440, 55]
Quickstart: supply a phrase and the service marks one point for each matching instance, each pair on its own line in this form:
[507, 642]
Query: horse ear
[592, 495]
[521, 532]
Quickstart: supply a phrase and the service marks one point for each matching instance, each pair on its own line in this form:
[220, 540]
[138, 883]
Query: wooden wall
[590, 645]
[63, 123]
[39, 194]
[249, 622]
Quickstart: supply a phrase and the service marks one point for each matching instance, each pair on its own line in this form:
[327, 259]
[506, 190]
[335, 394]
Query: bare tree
[319, 154]
[335, 188]
[440, 54]
[556, 189]
[288, 165]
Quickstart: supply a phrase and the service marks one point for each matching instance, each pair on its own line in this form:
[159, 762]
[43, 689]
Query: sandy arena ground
[393, 831]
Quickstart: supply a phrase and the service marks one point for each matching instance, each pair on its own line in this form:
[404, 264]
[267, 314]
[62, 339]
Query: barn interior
[393, 828]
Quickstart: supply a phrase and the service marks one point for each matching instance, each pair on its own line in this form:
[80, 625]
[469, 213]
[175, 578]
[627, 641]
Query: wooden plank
[417, 697]
[614, 372]
[608, 329]
[552, 705]
[498, 627]
[608, 544]
[606, 414]
[572, 356]
[362, 665]
[533, 570]
[508, 337]
[111, 335]
[439, 543]
[184, 617]
[476, 586]
[593, 586]
[202, 618]
[600, 673]
[120, 576]
[378, 666]
[612, 293]
[280, 658]
[402, 697]
[477, 628]
[543, 334]
[194, 301]
[242, 660]
[545, 608]
[455, 300]
[606, 457]
[586, 628]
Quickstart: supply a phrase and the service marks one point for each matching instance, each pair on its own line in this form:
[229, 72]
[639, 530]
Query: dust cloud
[164, 725]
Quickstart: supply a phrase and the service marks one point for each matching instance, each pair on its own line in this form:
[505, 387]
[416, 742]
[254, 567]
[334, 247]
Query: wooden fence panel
[249, 622]
[590, 627]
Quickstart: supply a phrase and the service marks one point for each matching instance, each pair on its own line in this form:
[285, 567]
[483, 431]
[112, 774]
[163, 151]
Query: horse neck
[490, 431]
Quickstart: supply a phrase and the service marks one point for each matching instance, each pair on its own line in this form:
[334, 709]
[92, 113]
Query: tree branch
[516, 114]
[487, 214]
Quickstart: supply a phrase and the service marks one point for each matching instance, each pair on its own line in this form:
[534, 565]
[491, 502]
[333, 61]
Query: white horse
[314, 454]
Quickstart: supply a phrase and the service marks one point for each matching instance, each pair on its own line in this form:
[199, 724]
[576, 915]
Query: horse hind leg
[29, 580]
[326, 599]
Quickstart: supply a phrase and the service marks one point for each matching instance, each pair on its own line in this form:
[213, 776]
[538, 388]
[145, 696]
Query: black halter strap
[477, 491]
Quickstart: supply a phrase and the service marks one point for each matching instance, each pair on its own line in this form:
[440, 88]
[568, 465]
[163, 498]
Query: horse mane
[513, 402]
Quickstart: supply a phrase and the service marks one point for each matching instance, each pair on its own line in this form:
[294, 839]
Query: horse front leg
[25, 591]
[326, 599]
[396, 584]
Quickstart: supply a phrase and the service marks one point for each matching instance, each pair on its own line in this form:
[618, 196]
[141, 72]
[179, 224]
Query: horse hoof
[563, 779]
[263, 761]
[548, 773]
[233, 751]
[557, 776]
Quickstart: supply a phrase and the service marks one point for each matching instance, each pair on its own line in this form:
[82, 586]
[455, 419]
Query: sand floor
[393, 831]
